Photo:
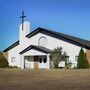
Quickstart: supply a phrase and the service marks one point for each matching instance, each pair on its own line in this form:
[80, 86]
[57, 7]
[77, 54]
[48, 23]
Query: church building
[33, 49]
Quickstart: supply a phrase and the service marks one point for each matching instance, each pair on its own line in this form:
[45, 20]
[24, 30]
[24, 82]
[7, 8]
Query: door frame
[42, 65]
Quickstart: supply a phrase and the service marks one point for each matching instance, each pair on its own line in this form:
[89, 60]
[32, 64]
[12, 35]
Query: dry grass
[16, 79]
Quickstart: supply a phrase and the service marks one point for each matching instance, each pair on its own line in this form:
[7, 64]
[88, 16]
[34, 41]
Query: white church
[33, 49]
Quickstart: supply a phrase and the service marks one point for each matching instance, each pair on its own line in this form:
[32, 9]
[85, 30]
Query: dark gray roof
[71, 39]
[12, 46]
[39, 48]
[68, 38]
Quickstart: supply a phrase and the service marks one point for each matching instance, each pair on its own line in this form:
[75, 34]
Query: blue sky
[66, 16]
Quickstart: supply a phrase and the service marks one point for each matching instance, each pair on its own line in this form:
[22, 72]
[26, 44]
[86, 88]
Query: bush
[57, 56]
[82, 62]
[68, 65]
[3, 61]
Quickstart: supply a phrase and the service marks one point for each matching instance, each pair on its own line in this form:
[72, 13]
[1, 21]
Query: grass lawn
[17, 79]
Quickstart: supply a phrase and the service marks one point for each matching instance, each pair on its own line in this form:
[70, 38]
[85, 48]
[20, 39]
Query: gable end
[12, 46]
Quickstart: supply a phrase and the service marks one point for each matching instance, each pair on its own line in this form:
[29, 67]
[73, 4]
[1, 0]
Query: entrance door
[35, 62]
[42, 62]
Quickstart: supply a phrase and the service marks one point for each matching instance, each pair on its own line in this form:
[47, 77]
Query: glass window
[44, 60]
[40, 60]
[76, 58]
[13, 59]
[42, 41]
[67, 58]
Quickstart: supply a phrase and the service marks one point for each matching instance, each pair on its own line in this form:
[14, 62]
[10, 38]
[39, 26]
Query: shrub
[3, 61]
[57, 56]
[68, 65]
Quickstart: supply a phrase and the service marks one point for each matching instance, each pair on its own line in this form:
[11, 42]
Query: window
[76, 58]
[40, 60]
[67, 58]
[44, 60]
[42, 41]
[13, 59]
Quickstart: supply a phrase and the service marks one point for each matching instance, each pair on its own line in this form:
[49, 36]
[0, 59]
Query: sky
[66, 16]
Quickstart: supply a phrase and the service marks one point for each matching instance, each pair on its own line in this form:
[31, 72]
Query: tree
[57, 56]
[3, 61]
[82, 62]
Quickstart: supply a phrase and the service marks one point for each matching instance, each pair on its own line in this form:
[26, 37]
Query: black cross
[23, 16]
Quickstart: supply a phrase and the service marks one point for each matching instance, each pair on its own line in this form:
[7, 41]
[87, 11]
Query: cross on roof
[23, 16]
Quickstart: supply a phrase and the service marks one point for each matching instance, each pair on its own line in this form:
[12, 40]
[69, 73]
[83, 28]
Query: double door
[42, 62]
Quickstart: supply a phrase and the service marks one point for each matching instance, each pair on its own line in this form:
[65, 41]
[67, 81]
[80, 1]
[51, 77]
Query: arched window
[42, 41]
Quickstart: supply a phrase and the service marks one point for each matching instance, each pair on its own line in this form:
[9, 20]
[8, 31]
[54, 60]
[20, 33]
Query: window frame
[40, 39]
[76, 58]
[13, 59]
[67, 58]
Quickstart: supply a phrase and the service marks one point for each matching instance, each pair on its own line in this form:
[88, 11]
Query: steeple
[24, 29]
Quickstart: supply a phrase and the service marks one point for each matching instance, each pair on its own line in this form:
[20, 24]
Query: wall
[88, 55]
[14, 53]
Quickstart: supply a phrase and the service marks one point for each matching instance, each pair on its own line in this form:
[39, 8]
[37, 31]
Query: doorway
[36, 62]
[43, 62]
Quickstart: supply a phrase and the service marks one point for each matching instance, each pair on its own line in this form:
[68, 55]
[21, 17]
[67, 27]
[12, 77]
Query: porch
[36, 62]
[35, 57]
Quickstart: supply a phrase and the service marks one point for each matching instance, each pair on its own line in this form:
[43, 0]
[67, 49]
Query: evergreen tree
[82, 62]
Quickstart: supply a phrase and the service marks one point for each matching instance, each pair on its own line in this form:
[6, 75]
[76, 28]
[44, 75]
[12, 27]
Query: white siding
[14, 52]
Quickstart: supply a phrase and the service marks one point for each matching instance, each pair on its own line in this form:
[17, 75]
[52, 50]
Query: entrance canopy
[35, 50]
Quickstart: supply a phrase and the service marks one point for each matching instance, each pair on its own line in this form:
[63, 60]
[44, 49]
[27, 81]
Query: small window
[67, 58]
[76, 58]
[44, 60]
[40, 60]
[13, 59]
